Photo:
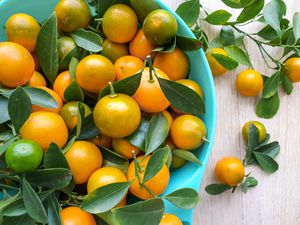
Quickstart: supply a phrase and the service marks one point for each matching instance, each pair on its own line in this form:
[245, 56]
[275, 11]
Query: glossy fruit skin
[160, 27]
[103, 141]
[292, 67]
[23, 29]
[230, 171]
[105, 176]
[249, 83]
[76, 216]
[65, 45]
[37, 80]
[149, 95]
[124, 148]
[187, 132]
[84, 158]
[170, 219]
[16, 65]
[127, 66]
[156, 184]
[216, 68]
[45, 128]
[261, 128]
[23, 156]
[175, 64]
[94, 72]
[120, 23]
[140, 46]
[72, 14]
[117, 116]
[192, 85]
[113, 50]
[176, 162]
[62, 81]
[69, 113]
[168, 116]
[56, 97]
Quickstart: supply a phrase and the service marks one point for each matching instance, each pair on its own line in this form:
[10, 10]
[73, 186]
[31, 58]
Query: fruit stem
[112, 90]
[205, 140]
[151, 68]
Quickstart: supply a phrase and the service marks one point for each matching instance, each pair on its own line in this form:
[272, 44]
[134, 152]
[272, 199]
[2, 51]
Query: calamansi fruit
[117, 115]
[61, 83]
[292, 67]
[249, 83]
[188, 132]
[23, 156]
[37, 80]
[74, 216]
[230, 171]
[261, 129]
[113, 50]
[215, 67]
[160, 27]
[124, 148]
[65, 45]
[127, 66]
[170, 219]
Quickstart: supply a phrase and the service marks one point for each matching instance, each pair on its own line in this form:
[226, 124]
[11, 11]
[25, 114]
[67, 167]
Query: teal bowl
[190, 175]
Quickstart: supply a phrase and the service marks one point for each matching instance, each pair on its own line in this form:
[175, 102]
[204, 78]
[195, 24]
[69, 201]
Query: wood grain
[276, 200]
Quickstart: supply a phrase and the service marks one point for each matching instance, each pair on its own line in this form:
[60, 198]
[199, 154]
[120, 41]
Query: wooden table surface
[276, 200]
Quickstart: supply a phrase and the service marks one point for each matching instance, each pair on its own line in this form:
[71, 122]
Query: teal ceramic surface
[188, 176]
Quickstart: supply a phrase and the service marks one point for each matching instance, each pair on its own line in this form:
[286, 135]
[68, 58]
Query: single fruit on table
[84, 158]
[113, 50]
[230, 171]
[249, 83]
[37, 80]
[69, 113]
[156, 184]
[160, 27]
[55, 96]
[102, 140]
[94, 72]
[168, 116]
[75, 216]
[175, 64]
[170, 219]
[149, 95]
[61, 83]
[176, 162]
[261, 130]
[188, 132]
[45, 128]
[216, 68]
[127, 66]
[23, 156]
[23, 29]
[72, 14]
[120, 23]
[16, 65]
[124, 148]
[292, 67]
[117, 115]
[140, 46]
[65, 45]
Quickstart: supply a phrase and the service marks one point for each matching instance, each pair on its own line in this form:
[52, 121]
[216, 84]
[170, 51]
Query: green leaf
[68, 145]
[226, 61]
[126, 86]
[238, 55]
[188, 44]
[271, 150]
[227, 36]
[88, 129]
[218, 17]
[156, 163]
[80, 117]
[296, 25]
[268, 164]
[251, 11]
[182, 98]
[20, 220]
[54, 158]
[4, 116]
[189, 11]
[54, 178]
[169, 48]
[105, 198]
[6, 135]
[46, 48]
[273, 13]
[287, 85]
[113, 156]
[6, 144]
[249, 182]
[187, 155]
[73, 66]
[41, 98]
[65, 62]
[238, 4]
[19, 108]
[33, 203]
[143, 8]
[216, 189]
[74, 92]
[157, 132]
[267, 108]
[87, 40]
[185, 198]
[138, 137]
[53, 211]
[5, 203]
[272, 84]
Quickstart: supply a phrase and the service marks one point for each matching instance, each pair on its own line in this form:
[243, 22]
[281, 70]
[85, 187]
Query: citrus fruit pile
[95, 111]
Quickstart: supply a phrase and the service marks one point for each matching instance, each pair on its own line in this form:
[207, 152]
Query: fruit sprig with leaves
[228, 50]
